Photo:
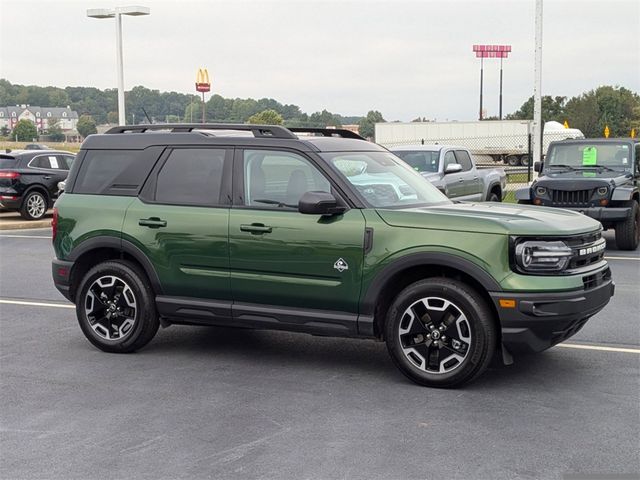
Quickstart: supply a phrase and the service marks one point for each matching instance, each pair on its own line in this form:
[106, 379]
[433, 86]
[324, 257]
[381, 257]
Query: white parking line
[637, 259]
[25, 236]
[37, 304]
[601, 348]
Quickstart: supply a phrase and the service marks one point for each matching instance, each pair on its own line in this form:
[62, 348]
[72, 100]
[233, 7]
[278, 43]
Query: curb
[18, 225]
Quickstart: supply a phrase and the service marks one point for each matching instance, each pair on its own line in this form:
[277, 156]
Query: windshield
[616, 156]
[421, 161]
[384, 181]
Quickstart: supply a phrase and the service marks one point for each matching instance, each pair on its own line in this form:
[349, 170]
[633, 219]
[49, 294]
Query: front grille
[576, 198]
[597, 279]
[587, 250]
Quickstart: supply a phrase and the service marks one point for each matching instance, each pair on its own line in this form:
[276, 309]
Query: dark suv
[257, 227]
[597, 177]
[29, 180]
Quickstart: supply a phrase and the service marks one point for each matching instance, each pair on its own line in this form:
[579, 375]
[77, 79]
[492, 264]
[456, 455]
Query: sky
[403, 58]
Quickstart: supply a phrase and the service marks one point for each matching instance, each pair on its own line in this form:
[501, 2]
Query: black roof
[138, 137]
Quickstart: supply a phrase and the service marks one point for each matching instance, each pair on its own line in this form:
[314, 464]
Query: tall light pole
[537, 87]
[134, 11]
[491, 51]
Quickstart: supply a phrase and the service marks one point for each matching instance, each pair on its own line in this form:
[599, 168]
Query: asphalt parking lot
[223, 403]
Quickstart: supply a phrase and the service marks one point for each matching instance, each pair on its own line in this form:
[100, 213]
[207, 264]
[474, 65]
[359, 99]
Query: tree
[24, 131]
[86, 125]
[615, 107]
[112, 118]
[54, 131]
[266, 117]
[367, 124]
[553, 108]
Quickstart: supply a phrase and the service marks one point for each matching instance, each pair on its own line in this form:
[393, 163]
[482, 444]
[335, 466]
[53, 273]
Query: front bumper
[604, 214]
[541, 320]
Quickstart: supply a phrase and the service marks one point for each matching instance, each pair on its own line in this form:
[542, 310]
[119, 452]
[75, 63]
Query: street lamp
[134, 11]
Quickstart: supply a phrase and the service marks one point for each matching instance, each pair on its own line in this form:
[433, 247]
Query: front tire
[116, 307]
[34, 206]
[440, 333]
[628, 232]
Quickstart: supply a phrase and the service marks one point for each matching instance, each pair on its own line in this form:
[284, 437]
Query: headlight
[539, 256]
[541, 191]
[602, 191]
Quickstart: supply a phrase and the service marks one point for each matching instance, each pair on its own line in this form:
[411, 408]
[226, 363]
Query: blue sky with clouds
[404, 58]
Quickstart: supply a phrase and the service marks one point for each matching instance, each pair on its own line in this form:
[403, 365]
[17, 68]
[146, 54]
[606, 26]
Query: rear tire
[440, 333]
[34, 206]
[628, 232]
[524, 160]
[116, 307]
[512, 160]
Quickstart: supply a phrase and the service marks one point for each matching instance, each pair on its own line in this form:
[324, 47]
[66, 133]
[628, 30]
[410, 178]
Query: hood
[581, 179]
[493, 217]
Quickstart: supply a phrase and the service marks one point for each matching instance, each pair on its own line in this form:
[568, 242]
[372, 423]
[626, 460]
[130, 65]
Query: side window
[41, 161]
[464, 159]
[637, 159]
[278, 179]
[65, 161]
[191, 176]
[113, 172]
[449, 158]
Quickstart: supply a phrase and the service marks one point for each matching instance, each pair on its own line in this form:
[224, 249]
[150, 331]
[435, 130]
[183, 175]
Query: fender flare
[382, 278]
[620, 194]
[123, 246]
[523, 194]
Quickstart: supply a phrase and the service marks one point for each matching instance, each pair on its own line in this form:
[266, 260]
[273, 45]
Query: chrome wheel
[435, 335]
[110, 306]
[36, 205]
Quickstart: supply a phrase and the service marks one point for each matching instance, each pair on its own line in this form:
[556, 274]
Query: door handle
[256, 228]
[47, 177]
[461, 180]
[153, 222]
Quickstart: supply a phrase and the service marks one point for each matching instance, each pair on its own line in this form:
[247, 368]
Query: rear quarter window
[114, 172]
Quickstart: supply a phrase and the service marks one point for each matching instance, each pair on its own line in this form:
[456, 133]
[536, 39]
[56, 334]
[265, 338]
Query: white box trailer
[502, 140]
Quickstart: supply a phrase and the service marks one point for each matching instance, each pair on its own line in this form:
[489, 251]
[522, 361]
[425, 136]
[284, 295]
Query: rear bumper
[604, 214]
[61, 271]
[10, 201]
[541, 320]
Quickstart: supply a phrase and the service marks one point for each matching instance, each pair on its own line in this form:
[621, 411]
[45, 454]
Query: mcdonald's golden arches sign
[202, 80]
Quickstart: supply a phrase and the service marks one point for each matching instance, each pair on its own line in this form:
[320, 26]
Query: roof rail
[262, 131]
[327, 132]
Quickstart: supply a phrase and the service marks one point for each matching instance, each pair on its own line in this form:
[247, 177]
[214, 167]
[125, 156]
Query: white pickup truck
[453, 171]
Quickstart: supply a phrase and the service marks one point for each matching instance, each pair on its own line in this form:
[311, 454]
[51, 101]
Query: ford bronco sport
[257, 227]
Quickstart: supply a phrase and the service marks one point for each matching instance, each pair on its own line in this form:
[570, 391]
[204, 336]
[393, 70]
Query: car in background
[29, 180]
[597, 177]
[452, 170]
[36, 146]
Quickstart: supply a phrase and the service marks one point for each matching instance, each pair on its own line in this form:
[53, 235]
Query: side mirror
[537, 166]
[61, 186]
[319, 203]
[453, 168]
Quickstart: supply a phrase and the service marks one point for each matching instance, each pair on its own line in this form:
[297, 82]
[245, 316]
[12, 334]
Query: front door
[182, 227]
[453, 181]
[280, 257]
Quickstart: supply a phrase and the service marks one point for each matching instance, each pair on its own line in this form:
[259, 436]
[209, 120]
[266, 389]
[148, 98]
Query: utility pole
[537, 86]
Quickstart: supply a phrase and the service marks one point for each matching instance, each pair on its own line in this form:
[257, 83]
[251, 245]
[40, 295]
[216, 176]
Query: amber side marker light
[537, 201]
[507, 303]
[604, 202]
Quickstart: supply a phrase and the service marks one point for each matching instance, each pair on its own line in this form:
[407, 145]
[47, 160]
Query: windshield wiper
[567, 167]
[275, 202]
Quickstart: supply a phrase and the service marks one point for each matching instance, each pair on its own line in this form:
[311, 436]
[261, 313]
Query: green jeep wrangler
[256, 227]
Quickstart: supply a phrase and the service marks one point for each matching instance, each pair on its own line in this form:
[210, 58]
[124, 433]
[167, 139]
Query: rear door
[472, 189]
[180, 222]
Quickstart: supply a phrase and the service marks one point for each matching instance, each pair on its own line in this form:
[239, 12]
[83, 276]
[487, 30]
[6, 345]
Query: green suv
[263, 227]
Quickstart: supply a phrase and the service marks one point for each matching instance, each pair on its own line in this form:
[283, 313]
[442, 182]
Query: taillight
[54, 224]
[9, 174]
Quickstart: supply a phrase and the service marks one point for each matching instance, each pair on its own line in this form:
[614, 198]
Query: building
[40, 116]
